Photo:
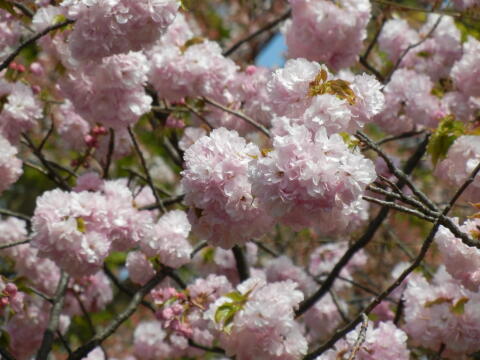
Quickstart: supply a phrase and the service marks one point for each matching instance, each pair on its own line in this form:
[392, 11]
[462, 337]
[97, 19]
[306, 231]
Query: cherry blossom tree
[164, 197]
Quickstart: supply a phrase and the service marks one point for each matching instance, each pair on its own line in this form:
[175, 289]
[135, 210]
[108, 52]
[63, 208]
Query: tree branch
[31, 40]
[49, 334]
[98, 339]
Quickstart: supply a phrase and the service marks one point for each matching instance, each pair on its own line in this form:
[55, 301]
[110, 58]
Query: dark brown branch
[14, 214]
[425, 247]
[111, 149]
[242, 264]
[258, 32]
[145, 169]
[98, 339]
[49, 334]
[7, 246]
[372, 228]
[239, 114]
[125, 289]
[32, 40]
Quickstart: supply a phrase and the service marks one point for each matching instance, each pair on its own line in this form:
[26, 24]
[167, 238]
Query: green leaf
[444, 136]
[438, 301]
[59, 19]
[224, 312]
[459, 307]
[236, 296]
[81, 226]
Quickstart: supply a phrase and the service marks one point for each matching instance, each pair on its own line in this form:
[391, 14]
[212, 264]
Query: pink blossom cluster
[384, 342]
[442, 313]
[77, 230]
[327, 31]
[10, 296]
[182, 312]
[152, 342]
[324, 316]
[217, 187]
[435, 56]
[42, 273]
[264, 328]
[409, 103]
[311, 180]
[110, 92]
[461, 261]
[21, 111]
[465, 72]
[105, 28]
[306, 93]
[26, 327]
[169, 241]
[462, 157]
[10, 31]
[10, 165]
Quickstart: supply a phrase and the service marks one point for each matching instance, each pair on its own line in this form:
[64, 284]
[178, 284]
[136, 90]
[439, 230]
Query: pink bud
[36, 89]
[11, 289]
[250, 70]
[90, 140]
[99, 130]
[36, 69]
[4, 301]
[167, 313]
[20, 68]
[177, 309]
[13, 66]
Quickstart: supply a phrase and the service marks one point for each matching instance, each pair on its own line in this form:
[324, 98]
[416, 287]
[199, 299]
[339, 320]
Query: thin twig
[200, 116]
[24, 9]
[425, 247]
[198, 248]
[145, 169]
[361, 338]
[31, 40]
[396, 171]
[239, 114]
[125, 289]
[98, 339]
[395, 206]
[256, 33]
[7, 246]
[164, 202]
[64, 342]
[410, 47]
[14, 214]
[404, 135]
[372, 228]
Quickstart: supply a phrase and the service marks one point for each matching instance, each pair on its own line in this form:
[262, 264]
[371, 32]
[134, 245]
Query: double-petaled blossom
[20, 112]
[217, 187]
[462, 158]
[111, 92]
[310, 180]
[263, 325]
[461, 261]
[327, 31]
[10, 165]
[104, 28]
[384, 342]
[442, 313]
